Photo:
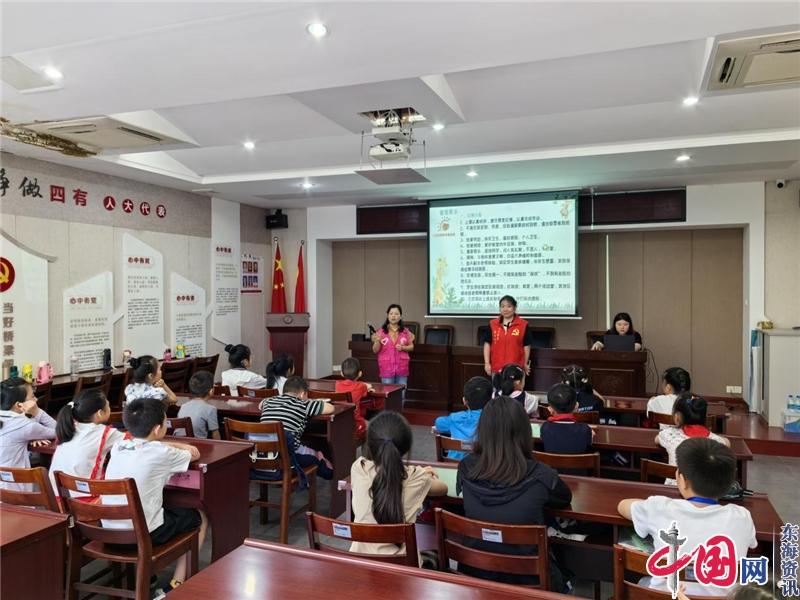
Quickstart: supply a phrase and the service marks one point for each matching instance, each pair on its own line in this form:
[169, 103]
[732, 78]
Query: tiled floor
[777, 476]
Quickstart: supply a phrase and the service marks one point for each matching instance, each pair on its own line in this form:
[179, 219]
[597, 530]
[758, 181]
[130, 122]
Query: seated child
[560, 434]
[147, 381]
[463, 424]
[576, 377]
[279, 370]
[351, 371]
[675, 381]
[240, 374]
[385, 489]
[202, 414]
[21, 422]
[689, 416]
[706, 470]
[510, 381]
[151, 462]
[84, 438]
[293, 409]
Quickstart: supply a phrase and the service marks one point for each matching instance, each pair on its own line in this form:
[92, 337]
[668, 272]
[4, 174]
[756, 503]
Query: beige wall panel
[9, 224]
[571, 333]
[349, 308]
[382, 284]
[91, 251]
[782, 255]
[626, 274]
[254, 317]
[716, 310]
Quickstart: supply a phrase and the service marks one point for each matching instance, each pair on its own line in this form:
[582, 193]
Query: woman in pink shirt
[392, 343]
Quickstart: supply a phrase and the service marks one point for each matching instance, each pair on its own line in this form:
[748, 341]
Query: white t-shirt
[236, 377]
[134, 391]
[77, 457]
[661, 404]
[696, 524]
[150, 464]
[670, 438]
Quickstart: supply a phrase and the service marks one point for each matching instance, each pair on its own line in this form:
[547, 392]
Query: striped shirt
[293, 412]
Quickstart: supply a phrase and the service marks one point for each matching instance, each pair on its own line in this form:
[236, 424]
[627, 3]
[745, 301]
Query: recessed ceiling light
[53, 73]
[690, 100]
[472, 173]
[318, 30]
[438, 126]
[249, 145]
[307, 185]
[682, 158]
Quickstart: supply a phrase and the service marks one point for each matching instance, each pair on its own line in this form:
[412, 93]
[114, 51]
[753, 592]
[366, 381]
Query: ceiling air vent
[102, 133]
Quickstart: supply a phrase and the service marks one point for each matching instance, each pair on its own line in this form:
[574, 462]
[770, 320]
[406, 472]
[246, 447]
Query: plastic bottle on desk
[73, 365]
[167, 355]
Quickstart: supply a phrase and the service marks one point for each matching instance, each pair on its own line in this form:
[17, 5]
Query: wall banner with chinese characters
[23, 290]
[143, 293]
[88, 327]
[188, 315]
[252, 274]
[226, 320]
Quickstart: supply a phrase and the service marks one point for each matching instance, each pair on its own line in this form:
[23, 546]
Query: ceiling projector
[390, 151]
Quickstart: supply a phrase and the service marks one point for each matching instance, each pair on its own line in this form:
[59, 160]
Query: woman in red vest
[508, 340]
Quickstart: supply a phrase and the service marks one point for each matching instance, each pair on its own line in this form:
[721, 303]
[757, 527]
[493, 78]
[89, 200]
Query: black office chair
[441, 335]
[483, 330]
[543, 337]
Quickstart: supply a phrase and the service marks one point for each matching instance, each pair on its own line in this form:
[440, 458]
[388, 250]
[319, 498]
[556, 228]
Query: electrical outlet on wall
[733, 389]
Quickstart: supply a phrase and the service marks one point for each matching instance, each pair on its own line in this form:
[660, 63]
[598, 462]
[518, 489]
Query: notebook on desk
[619, 343]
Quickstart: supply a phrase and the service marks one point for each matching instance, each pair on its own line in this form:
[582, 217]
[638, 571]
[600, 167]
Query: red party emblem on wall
[7, 274]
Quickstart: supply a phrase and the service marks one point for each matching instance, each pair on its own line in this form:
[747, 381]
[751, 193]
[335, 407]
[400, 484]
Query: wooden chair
[452, 530]
[444, 442]
[245, 392]
[658, 419]
[332, 396]
[176, 424]
[119, 400]
[403, 533]
[90, 539]
[41, 497]
[441, 335]
[590, 416]
[205, 363]
[272, 442]
[87, 382]
[43, 393]
[221, 390]
[413, 327]
[480, 334]
[584, 462]
[594, 336]
[175, 373]
[543, 337]
[115, 418]
[653, 469]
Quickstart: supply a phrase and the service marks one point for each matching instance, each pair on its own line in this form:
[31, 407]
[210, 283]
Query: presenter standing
[508, 340]
[392, 343]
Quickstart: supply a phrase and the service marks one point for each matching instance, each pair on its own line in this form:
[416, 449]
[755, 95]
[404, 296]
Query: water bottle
[73, 365]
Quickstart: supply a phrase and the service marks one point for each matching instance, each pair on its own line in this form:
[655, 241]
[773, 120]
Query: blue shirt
[461, 426]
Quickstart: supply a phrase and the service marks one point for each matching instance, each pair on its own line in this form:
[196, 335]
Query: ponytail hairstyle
[79, 410]
[237, 354]
[577, 378]
[691, 409]
[281, 366]
[142, 367]
[400, 325]
[679, 379]
[388, 440]
[12, 391]
[507, 378]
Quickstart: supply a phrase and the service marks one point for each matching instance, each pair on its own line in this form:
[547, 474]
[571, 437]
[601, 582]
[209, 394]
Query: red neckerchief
[566, 417]
[693, 431]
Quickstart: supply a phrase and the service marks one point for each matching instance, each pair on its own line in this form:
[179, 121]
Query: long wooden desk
[331, 433]
[32, 547]
[717, 411]
[438, 373]
[392, 395]
[261, 569]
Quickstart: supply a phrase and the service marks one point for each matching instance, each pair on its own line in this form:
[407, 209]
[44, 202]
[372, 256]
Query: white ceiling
[535, 95]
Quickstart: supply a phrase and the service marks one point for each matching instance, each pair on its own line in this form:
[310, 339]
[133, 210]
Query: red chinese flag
[278, 287]
[300, 286]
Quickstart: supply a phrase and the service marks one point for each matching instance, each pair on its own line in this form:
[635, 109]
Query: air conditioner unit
[748, 62]
[103, 133]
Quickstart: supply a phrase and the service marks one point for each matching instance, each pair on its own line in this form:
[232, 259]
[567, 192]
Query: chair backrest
[452, 530]
[543, 337]
[221, 390]
[403, 533]
[594, 336]
[332, 396]
[87, 515]
[442, 335]
[413, 327]
[120, 398]
[41, 497]
[205, 363]
[115, 418]
[444, 443]
[589, 416]
[480, 334]
[180, 426]
[43, 393]
[587, 462]
[658, 419]
[247, 392]
[175, 373]
[656, 470]
[269, 441]
[87, 382]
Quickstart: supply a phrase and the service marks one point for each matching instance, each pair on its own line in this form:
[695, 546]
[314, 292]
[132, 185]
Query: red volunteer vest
[507, 343]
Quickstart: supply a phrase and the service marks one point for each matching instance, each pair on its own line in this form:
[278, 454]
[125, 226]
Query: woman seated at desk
[623, 325]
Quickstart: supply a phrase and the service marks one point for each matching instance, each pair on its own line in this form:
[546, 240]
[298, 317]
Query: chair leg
[312, 492]
[143, 581]
[286, 497]
[73, 570]
[263, 496]
[598, 594]
[193, 566]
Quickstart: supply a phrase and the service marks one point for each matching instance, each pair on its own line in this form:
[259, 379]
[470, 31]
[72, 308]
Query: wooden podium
[287, 334]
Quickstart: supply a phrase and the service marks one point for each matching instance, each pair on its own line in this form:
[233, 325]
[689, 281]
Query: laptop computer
[619, 343]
